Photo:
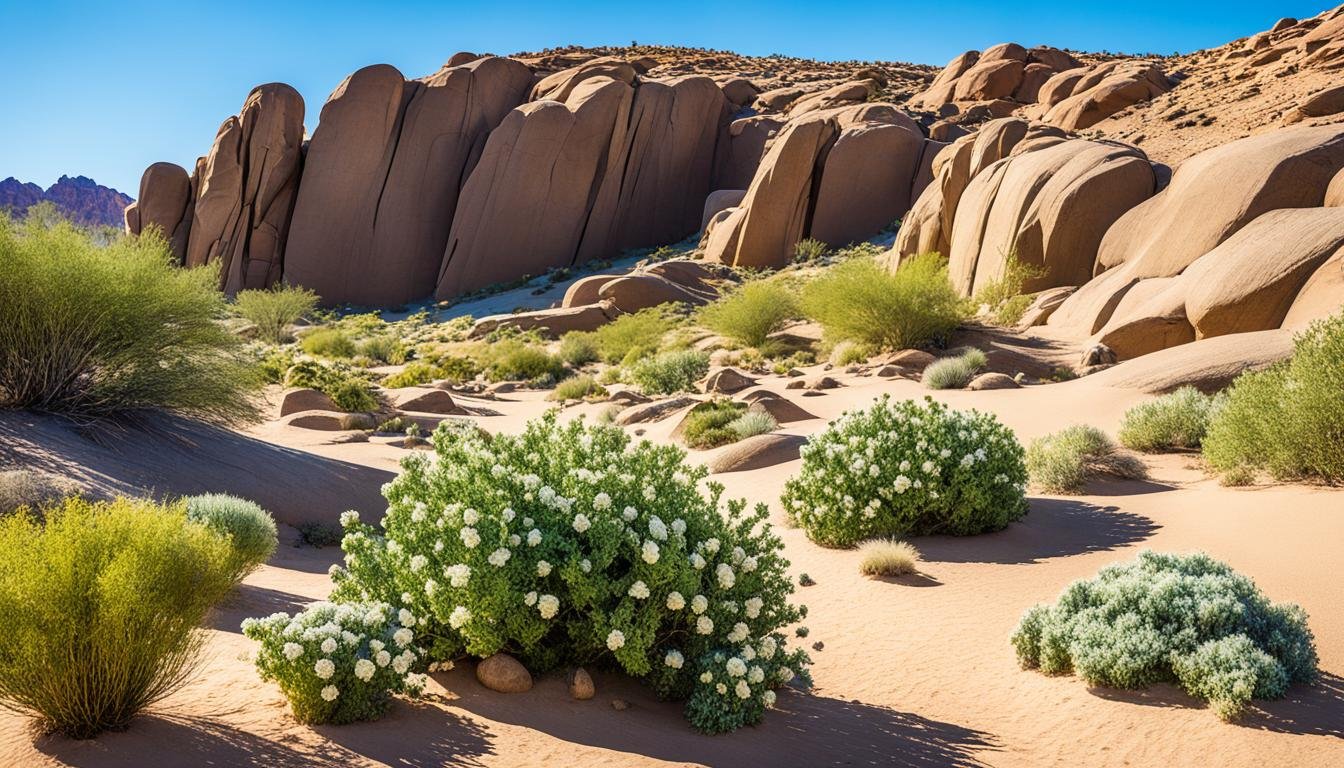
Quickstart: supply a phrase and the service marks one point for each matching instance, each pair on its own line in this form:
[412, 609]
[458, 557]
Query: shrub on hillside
[349, 390]
[631, 337]
[1002, 298]
[413, 375]
[1187, 619]
[249, 528]
[907, 469]
[578, 388]
[1173, 421]
[273, 311]
[383, 348]
[954, 372]
[751, 313]
[754, 421]
[568, 545]
[809, 250]
[668, 372]
[861, 301]
[515, 360]
[1287, 420]
[328, 342]
[338, 664]
[1064, 461]
[96, 331]
[102, 606]
[708, 424]
[578, 348]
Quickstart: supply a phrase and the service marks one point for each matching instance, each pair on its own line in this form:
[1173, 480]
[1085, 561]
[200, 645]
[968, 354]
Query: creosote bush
[1003, 297]
[96, 331]
[859, 300]
[102, 604]
[516, 360]
[954, 372]
[339, 664]
[348, 389]
[578, 348]
[567, 545]
[676, 370]
[578, 388]
[328, 342]
[1063, 462]
[907, 469]
[1287, 420]
[751, 313]
[1186, 619]
[248, 528]
[887, 557]
[708, 424]
[634, 336]
[274, 311]
[1175, 421]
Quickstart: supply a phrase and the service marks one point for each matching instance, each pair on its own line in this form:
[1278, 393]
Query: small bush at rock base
[809, 250]
[751, 313]
[274, 311]
[347, 388]
[755, 421]
[1064, 461]
[383, 348]
[1002, 298]
[1174, 421]
[577, 388]
[633, 336]
[861, 301]
[102, 607]
[249, 528]
[328, 342]
[954, 372]
[887, 557]
[30, 488]
[668, 372]
[907, 469]
[514, 360]
[413, 375]
[578, 348]
[707, 424]
[1187, 619]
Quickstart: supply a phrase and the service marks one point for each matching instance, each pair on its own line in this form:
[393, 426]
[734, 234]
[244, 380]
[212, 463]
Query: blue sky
[105, 88]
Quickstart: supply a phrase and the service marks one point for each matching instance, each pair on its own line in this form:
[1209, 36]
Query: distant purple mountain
[79, 198]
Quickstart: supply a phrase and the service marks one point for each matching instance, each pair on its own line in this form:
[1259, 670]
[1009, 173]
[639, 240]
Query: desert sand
[916, 671]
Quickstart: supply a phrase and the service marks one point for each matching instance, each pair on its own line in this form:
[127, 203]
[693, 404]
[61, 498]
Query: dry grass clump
[273, 311]
[861, 301]
[887, 557]
[954, 372]
[28, 488]
[1064, 461]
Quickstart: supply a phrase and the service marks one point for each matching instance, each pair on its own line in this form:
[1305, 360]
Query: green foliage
[274, 311]
[248, 528]
[339, 664]
[414, 374]
[383, 348]
[954, 372]
[673, 371]
[578, 388]
[579, 348]
[861, 301]
[1003, 296]
[1287, 420]
[349, 390]
[1186, 619]
[755, 421]
[633, 336]
[1173, 421]
[95, 331]
[847, 353]
[809, 250]
[1064, 461]
[394, 425]
[752, 312]
[516, 360]
[328, 342]
[907, 469]
[709, 424]
[102, 607]
[606, 554]
[316, 533]
[273, 363]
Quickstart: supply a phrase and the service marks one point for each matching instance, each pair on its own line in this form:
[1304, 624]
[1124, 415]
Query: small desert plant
[346, 388]
[633, 336]
[1287, 420]
[102, 604]
[516, 360]
[1003, 296]
[414, 374]
[249, 528]
[1064, 461]
[1174, 421]
[457, 368]
[755, 421]
[954, 372]
[1187, 619]
[673, 371]
[316, 533]
[328, 342]
[578, 348]
[93, 331]
[578, 388]
[339, 664]
[394, 426]
[709, 424]
[809, 250]
[29, 488]
[848, 352]
[751, 313]
[887, 557]
[861, 301]
[907, 469]
[383, 348]
[273, 311]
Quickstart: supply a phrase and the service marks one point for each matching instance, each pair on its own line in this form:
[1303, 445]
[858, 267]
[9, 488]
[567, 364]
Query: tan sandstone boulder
[741, 151]
[167, 202]
[1105, 90]
[503, 673]
[756, 452]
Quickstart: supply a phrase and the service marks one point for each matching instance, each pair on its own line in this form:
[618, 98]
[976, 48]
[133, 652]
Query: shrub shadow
[1111, 486]
[1053, 528]
[916, 579]
[249, 600]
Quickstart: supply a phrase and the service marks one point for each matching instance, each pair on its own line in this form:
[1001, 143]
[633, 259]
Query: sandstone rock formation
[1004, 71]
[1092, 96]
[166, 201]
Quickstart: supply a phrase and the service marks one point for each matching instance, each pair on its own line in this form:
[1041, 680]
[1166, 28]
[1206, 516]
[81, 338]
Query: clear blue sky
[104, 88]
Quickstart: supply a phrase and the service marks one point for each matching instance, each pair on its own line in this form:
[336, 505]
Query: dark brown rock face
[167, 201]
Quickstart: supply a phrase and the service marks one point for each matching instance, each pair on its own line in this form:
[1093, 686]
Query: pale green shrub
[274, 311]
[328, 342]
[887, 557]
[907, 469]
[752, 312]
[709, 424]
[753, 422]
[1064, 461]
[668, 372]
[847, 352]
[606, 553]
[249, 528]
[349, 390]
[954, 372]
[578, 348]
[1173, 421]
[633, 336]
[1187, 619]
[861, 301]
[1003, 296]
[413, 375]
[339, 664]
[383, 348]
[578, 388]
[514, 360]
[32, 489]
[809, 250]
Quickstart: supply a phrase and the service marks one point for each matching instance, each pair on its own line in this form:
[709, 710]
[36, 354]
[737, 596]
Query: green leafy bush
[907, 469]
[249, 528]
[514, 360]
[1187, 619]
[274, 311]
[95, 331]
[578, 348]
[755, 421]
[954, 372]
[568, 545]
[633, 336]
[339, 664]
[1173, 421]
[809, 250]
[848, 352]
[317, 533]
[1287, 420]
[102, 607]
[751, 313]
[673, 371]
[457, 368]
[708, 424]
[578, 388]
[383, 348]
[348, 390]
[861, 301]
[328, 342]
[1003, 296]
[1064, 461]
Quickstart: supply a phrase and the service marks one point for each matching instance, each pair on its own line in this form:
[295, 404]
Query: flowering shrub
[339, 663]
[907, 469]
[567, 545]
[1187, 619]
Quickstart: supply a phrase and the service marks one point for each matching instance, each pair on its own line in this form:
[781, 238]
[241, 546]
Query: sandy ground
[913, 672]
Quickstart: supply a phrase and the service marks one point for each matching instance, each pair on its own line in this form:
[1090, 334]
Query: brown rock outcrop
[741, 151]
[167, 202]
[1003, 71]
[1104, 90]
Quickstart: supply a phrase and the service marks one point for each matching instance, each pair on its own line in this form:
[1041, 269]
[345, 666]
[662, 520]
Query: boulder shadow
[1053, 528]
